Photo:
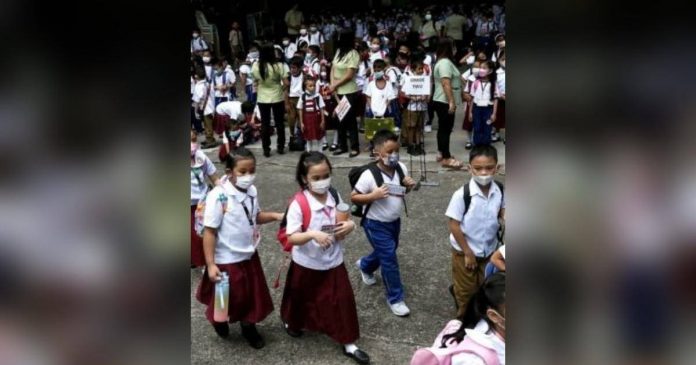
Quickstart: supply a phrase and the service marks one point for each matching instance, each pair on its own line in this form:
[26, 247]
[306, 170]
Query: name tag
[329, 228]
[396, 190]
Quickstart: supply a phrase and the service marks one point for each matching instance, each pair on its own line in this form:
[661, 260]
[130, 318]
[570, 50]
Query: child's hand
[471, 116]
[278, 216]
[343, 229]
[302, 127]
[322, 125]
[214, 273]
[469, 260]
[380, 193]
[324, 240]
[409, 182]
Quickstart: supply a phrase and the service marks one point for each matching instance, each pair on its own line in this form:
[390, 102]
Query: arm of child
[367, 183]
[268, 217]
[495, 109]
[470, 258]
[497, 260]
[209, 238]
[294, 229]
[299, 113]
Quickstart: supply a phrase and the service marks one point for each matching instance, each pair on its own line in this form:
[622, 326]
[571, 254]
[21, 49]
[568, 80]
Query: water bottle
[222, 299]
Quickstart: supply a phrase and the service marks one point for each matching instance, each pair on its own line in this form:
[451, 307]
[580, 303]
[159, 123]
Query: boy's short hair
[483, 150]
[384, 135]
[379, 63]
[415, 63]
[297, 62]
[314, 48]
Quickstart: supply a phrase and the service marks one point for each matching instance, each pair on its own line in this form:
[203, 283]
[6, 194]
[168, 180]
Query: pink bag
[435, 355]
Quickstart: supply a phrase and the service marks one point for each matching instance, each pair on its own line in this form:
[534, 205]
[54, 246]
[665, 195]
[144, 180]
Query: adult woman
[446, 97]
[343, 70]
[271, 83]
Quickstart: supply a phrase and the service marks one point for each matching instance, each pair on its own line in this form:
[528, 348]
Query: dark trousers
[278, 111]
[445, 123]
[349, 126]
[482, 130]
[195, 122]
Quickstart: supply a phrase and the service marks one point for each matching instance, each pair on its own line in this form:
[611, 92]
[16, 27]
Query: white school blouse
[481, 93]
[311, 255]
[480, 224]
[234, 233]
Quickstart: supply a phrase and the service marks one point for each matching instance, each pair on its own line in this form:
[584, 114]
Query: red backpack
[282, 235]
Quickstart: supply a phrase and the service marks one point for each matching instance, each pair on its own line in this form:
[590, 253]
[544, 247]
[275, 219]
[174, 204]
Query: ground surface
[424, 258]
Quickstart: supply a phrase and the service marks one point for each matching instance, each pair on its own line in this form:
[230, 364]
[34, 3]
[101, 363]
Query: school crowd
[380, 68]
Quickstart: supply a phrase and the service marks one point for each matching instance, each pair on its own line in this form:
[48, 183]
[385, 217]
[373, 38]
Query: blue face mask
[379, 75]
[392, 160]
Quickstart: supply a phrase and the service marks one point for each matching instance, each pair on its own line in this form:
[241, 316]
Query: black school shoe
[281, 151]
[360, 356]
[252, 336]
[291, 333]
[222, 329]
[324, 147]
[333, 148]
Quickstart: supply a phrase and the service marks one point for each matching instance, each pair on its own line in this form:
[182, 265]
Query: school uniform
[302, 38]
[380, 98]
[198, 45]
[382, 226]
[482, 109]
[294, 95]
[235, 254]
[468, 79]
[245, 69]
[312, 67]
[202, 95]
[316, 39]
[289, 51]
[201, 168]
[220, 124]
[500, 91]
[318, 296]
[393, 75]
[311, 106]
[413, 115]
[480, 226]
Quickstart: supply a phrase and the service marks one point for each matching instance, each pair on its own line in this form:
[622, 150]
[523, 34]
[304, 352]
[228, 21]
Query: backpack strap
[402, 175]
[467, 194]
[302, 201]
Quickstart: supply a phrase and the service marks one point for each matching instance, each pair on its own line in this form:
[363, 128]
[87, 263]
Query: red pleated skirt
[220, 123]
[250, 300]
[320, 301]
[500, 115]
[467, 124]
[197, 257]
[312, 126]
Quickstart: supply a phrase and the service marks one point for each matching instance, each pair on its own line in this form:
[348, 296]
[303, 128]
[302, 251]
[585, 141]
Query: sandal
[452, 163]
[439, 157]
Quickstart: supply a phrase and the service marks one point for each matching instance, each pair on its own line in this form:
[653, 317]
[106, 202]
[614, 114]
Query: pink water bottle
[222, 299]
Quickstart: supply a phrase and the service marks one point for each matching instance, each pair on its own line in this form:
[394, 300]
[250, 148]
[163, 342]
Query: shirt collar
[316, 205]
[474, 189]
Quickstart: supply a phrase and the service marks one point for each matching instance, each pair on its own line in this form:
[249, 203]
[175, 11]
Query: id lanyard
[256, 236]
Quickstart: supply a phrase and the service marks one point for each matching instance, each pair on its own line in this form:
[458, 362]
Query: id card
[396, 190]
[329, 228]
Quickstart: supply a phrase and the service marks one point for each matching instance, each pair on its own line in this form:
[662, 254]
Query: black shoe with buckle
[222, 329]
[333, 148]
[290, 332]
[252, 336]
[360, 356]
[324, 147]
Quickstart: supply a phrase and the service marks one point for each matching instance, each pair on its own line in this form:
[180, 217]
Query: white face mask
[428, 16]
[285, 42]
[470, 60]
[323, 74]
[206, 59]
[501, 44]
[475, 71]
[321, 186]
[245, 181]
[303, 31]
[483, 180]
[374, 47]
[196, 35]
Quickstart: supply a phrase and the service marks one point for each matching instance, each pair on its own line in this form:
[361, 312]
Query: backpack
[200, 211]
[302, 201]
[435, 355]
[354, 174]
[467, 202]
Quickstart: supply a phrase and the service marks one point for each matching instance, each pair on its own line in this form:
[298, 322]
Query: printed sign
[396, 190]
[416, 85]
[342, 108]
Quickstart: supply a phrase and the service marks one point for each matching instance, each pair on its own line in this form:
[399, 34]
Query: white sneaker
[397, 130]
[428, 128]
[400, 309]
[366, 278]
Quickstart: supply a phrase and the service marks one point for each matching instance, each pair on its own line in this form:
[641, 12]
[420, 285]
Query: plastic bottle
[222, 299]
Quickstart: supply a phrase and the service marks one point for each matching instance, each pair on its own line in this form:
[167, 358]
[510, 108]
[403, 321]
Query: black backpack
[354, 174]
[467, 202]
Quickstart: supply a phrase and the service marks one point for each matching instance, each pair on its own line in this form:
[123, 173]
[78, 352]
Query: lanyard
[246, 211]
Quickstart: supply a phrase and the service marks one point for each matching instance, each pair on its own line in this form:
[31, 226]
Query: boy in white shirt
[222, 83]
[295, 92]
[379, 93]
[315, 36]
[289, 49]
[382, 216]
[203, 103]
[474, 212]
[246, 77]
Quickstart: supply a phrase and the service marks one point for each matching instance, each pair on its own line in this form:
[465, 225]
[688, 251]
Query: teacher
[271, 81]
[343, 70]
[447, 95]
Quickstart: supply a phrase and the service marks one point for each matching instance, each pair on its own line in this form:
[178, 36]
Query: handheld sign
[342, 108]
[416, 85]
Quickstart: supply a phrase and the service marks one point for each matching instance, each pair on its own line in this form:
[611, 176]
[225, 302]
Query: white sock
[307, 146]
[335, 140]
[323, 139]
[350, 348]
